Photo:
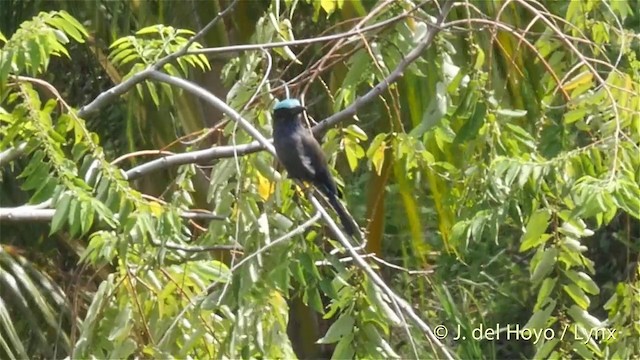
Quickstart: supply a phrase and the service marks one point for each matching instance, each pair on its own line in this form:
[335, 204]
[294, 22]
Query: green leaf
[342, 327]
[577, 295]
[312, 298]
[521, 135]
[74, 216]
[472, 126]
[118, 56]
[154, 93]
[584, 281]
[583, 317]
[545, 290]
[153, 29]
[71, 20]
[575, 115]
[542, 318]
[511, 113]
[545, 265]
[574, 245]
[119, 329]
[122, 43]
[36, 57]
[86, 216]
[45, 191]
[545, 349]
[376, 151]
[356, 132]
[129, 59]
[37, 177]
[309, 266]
[354, 152]
[63, 39]
[345, 348]
[126, 207]
[534, 234]
[61, 213]
[582, 350]
[34, 164]
[378, 342]
[329, 6]
[62, 24]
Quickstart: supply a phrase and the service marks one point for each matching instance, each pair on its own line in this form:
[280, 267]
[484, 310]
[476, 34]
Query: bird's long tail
[349, 224]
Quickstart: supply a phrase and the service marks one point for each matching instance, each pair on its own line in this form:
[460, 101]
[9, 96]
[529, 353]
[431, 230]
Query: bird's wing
[303, 156]
[314, 158]
[312, 154]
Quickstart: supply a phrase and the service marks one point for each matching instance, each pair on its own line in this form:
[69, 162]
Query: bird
[301, 155]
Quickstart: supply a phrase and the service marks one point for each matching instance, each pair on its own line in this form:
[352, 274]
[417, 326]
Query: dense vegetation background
[490, 149]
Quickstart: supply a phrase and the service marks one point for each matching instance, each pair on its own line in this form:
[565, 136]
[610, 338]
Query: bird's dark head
[287, 109]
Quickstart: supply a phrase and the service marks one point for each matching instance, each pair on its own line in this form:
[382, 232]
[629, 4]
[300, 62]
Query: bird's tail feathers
[349, 224]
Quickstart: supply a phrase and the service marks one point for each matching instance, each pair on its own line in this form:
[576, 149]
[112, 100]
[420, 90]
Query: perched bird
[302, 156]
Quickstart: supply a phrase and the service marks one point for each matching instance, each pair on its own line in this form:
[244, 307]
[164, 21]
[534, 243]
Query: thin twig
[141, 153]
[273, 45]
[298, 230]
[196, 249]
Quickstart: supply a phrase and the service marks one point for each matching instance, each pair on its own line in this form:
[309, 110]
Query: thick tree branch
[191, 157]
[11, 154]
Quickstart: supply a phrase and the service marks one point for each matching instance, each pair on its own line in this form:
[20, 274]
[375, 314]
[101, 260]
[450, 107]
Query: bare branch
[377, 280]
[192, 157]
[11, 154]
[216, 102]
[29, 213]
[193, 248]
[354, 33]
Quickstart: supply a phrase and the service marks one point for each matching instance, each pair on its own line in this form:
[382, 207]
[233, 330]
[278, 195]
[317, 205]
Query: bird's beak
[300, 109]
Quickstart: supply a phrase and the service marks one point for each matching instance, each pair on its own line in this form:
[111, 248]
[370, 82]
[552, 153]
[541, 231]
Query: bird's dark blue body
[302, 156]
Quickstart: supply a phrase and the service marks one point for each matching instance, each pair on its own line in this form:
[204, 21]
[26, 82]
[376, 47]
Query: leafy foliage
[30, 48]
[148, 47]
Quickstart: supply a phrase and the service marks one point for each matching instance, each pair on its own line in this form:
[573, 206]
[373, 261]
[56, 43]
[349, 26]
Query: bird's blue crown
[287, 104]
